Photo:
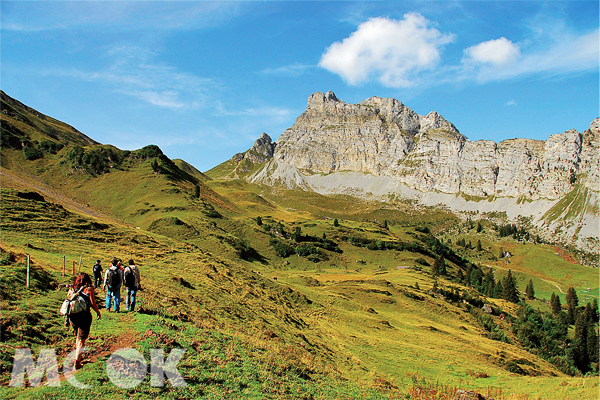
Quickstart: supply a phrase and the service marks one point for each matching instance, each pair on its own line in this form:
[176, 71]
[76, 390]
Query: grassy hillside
[275, 293]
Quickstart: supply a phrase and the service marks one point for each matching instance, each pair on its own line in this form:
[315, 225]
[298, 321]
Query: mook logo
[126, 368]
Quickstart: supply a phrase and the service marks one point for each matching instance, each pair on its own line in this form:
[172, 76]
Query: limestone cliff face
[383, 137]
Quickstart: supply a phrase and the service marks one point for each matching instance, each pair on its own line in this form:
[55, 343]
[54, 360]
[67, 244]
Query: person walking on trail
[113, 278]
[131, 276]
[97, 274]
[82, 321]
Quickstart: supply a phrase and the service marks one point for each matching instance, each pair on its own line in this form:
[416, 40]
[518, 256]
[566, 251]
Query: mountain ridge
[425, 157]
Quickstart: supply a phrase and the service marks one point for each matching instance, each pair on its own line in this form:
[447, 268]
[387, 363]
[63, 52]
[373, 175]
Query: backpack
[113, 279]
[97, 269]
[129, 277]
[74, 304]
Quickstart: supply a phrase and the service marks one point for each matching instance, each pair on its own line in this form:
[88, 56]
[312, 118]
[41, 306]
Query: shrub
[32, 153]
[283, 250]
[422, 261]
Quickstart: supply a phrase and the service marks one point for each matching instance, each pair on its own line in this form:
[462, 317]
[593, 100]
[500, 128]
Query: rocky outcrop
[381, 148]
[261, 151]
[383, 137]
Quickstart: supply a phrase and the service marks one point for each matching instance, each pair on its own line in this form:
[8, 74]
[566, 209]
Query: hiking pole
[80, 257]
[73, 267]
[64, 262]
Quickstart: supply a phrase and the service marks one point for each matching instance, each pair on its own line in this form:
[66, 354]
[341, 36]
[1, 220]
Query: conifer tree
[555, 304]
[509, 287]
[468, 275]
[297, 235]
[197, 191]
[439, 266]
[572, 302]
[479, 248]
[259, 221]
[498, 290]
[336, 223]
[530, 291]
[592, 344]
[479, 227]
[580, 342]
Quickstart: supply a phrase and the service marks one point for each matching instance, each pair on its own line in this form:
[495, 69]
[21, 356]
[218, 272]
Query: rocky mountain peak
[434, 121]
[318, 100]
[264, 145]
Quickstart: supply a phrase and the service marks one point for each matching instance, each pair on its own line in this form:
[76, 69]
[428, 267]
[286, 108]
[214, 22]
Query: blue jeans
[130, 299]
[113, 294]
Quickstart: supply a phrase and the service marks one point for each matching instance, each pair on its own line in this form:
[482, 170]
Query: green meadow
[273, 293]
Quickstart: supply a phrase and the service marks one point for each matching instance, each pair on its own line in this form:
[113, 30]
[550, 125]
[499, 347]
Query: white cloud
[497, 52]
[133, 71]
[119, 15]
[288, 70]
[392, 50]
[550, 55]
[511, 103]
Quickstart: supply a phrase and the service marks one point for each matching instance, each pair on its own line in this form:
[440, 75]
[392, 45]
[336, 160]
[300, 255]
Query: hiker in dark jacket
[113, 279]
[97, 273]
[131, 277]
[82, 321]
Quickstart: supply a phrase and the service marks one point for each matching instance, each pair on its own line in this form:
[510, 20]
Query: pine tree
[439, 266]
[479, 227]
[468, 275]
[572, 302]
[592, 344]
[490, 289]
[336, 223]
[155, 167]
[580, 342]
[476, 278]
[297, 235]
[498, 290]
[509, 287]
[197, 191]
[479, 248]
[555, 304]
[530, 291]
[259, 221]
[385, 224]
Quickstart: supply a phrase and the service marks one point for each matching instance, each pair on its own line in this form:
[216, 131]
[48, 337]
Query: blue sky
[203, 80]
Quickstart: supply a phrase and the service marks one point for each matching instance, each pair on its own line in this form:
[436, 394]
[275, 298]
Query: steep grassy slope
[292, 306]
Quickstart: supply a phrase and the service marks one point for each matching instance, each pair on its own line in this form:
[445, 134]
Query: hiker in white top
[131, 278]
[113, 278]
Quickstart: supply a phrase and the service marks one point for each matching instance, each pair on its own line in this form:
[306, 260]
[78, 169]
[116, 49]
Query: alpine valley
[370, 252]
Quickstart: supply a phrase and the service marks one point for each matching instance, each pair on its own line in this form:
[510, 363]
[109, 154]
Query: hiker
[113, 279]
[131, 277]
[82, 321]
[97, 274]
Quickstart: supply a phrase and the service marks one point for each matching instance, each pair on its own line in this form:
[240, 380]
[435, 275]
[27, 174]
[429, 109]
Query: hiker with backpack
[131, 276]
[97, 269]
[113, 278]
[77, 310]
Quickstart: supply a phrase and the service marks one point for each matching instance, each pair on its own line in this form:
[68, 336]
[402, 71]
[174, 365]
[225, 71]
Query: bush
[305, 250]
[32, 153]
[283, 250]
[147, 152]
[48, 146]
[422, 261]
